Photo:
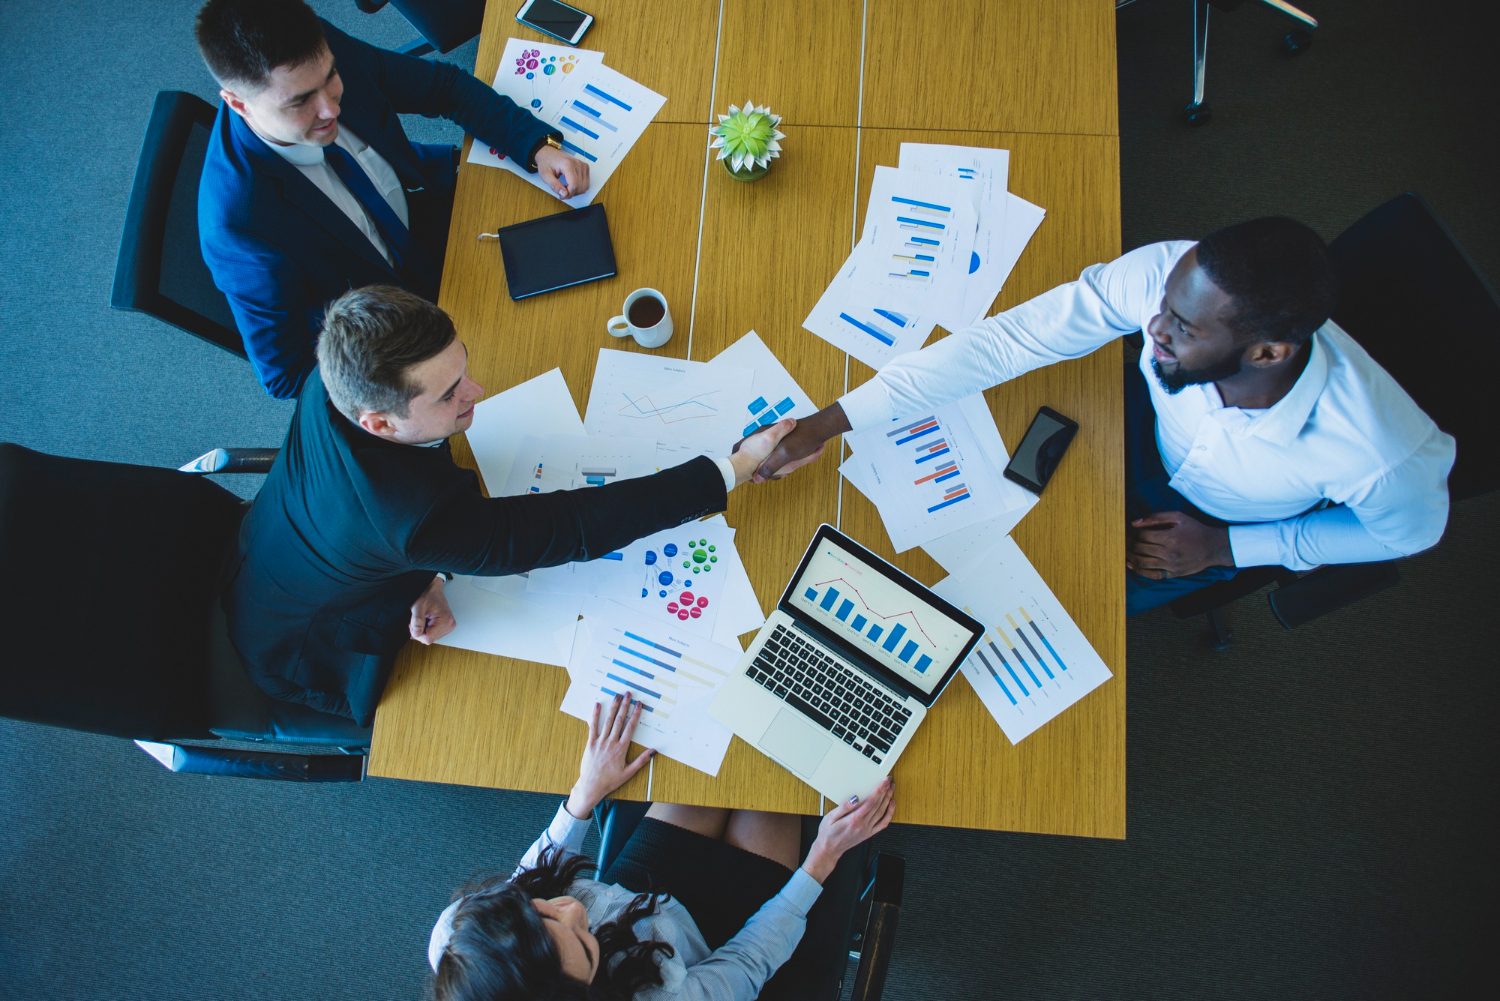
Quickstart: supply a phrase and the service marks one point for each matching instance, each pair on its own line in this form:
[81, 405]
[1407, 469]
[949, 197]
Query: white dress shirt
[1345, 434]
[309, 160]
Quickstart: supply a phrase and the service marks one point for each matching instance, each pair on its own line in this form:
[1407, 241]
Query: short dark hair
[371, 337]
[243, 40]
[1279, 275]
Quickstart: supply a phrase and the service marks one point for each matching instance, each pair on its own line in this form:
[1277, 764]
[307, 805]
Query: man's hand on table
[431, 618]
[1174, 544]
[804, 444]
[574, 179]
[604, 768]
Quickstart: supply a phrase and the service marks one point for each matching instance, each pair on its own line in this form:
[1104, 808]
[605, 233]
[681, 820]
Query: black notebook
[555, 251]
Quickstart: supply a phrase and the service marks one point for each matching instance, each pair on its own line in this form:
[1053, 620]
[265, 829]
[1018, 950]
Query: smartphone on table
[551, 17]
[1041, 449]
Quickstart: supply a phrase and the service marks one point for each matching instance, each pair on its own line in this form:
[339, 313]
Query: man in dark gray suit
[342, 556]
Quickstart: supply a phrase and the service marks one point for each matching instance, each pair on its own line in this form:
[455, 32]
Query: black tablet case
[556, 251]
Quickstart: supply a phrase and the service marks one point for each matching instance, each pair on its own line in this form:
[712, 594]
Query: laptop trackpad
[795, 742]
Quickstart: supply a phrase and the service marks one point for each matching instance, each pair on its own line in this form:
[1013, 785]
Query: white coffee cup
[653, 336]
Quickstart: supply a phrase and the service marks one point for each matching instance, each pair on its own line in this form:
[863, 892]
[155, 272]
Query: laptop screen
[883, 618]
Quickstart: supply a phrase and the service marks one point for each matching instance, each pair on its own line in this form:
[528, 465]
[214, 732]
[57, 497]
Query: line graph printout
[685, 403]
[674, 674]
[1033, 661]
[870, 611]
[918, 239]
[934, 473]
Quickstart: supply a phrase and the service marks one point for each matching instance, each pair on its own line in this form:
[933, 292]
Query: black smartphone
[564, 23]
[1041, 450]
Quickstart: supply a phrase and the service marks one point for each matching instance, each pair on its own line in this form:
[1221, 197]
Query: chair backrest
[160, 268]
[112, 570]
[1415, 301]
[447, 24]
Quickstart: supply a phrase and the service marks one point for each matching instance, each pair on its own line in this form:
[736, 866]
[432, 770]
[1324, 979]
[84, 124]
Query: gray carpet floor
[1310, 814]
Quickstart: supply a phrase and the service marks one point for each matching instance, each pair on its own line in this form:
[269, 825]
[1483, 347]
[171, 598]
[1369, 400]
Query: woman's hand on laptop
[848, 824]
[604, 768]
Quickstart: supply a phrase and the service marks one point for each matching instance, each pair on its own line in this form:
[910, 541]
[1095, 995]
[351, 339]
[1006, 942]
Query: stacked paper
[941, 235]
[599, 112]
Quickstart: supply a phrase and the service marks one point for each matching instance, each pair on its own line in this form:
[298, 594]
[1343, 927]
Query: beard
[1184, 377]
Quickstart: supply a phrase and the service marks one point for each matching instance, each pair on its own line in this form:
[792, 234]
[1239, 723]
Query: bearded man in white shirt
[1257, 431]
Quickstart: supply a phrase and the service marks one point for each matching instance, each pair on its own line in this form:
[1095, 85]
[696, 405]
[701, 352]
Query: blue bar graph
[882, 338]
[896, 318]
[1008, 669]
[829, 597]
[1043, 637]
[946, 476]
[844, 610]
[650, 660]
[578, 128]
[989, 667]
[594, 481]
[921, 205]
[923, 663]
[874, 633]
[632, 685]
[905, 655]
[920, 222]
[607, 97]
[631, 667]
[1038, 656]
[927, 240]
[595, 115]
[946, 503]
[644, 705]
[934, 455]
[583, 153]
[859, 624]
[934, 426]
[656, 646]
[810, 594]
[613, 556]
[894, 638]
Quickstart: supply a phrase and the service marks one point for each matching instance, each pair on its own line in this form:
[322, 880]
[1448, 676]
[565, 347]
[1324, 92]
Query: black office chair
[855, 916]
[1295, 42]
[1403, 276]
[160, 268]
[114, 571]
[443, 24]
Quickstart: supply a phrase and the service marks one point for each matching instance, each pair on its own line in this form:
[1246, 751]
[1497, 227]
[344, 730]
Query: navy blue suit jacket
[349, 528]
[281, 250]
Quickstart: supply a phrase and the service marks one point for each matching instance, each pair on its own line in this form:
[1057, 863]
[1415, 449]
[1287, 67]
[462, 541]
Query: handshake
[775, 451]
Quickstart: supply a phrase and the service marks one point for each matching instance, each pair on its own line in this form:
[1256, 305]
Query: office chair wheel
[1297, 42]
[1197, 114]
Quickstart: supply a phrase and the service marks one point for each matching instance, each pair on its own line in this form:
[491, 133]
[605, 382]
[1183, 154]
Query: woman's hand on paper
[604, 767]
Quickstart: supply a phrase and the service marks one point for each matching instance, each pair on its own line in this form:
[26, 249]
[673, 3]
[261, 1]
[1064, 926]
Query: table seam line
[713, 95]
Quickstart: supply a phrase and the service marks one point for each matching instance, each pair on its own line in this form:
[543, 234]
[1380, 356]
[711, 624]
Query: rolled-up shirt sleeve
[1399, 512]
[1107, 301]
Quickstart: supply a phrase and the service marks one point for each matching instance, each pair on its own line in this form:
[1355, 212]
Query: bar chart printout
[1032, 662]
[545, 463]
[918, 239]
[674, 675]
[873, 329]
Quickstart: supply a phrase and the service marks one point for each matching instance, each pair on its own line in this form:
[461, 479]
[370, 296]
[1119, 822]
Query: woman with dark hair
[733, 909]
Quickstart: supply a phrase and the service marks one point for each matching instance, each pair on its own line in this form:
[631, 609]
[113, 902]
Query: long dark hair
[500, 948]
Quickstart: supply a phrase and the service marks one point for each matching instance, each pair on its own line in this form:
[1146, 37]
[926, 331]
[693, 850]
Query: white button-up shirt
[309, 160]
[1346, 433]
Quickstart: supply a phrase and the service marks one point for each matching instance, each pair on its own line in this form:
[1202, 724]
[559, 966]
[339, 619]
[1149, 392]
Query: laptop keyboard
[833, 696]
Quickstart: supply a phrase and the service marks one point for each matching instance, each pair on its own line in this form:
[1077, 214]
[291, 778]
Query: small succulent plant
[747, 137]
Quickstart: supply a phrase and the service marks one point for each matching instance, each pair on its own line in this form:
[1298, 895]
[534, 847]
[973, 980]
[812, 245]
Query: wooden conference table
[853, 79]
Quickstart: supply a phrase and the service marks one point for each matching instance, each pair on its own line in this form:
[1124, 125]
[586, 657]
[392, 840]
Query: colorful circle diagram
[677, 588]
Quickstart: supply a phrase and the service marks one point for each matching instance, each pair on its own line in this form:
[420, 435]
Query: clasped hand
[1175, 544]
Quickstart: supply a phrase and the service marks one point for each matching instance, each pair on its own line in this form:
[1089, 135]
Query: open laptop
[844, 670]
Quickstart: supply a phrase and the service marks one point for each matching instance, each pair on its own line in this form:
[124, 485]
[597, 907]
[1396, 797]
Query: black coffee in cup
[647, 311]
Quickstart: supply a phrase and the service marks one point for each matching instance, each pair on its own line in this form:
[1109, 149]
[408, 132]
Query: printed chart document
[918, 239]
[1033, 661]
[956, 550]
[538, 406]
[674, 674]
[772, 394]
[874, 331]
[545, 463]
[685, 403]
[674, 576]
[600, 113]
[1022, 219]
[934, 474]
[496, 615]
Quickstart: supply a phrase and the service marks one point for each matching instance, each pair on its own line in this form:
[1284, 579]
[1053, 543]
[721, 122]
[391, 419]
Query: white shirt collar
[307, 155]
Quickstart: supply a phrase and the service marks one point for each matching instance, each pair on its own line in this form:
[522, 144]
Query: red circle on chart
[682, 614]
[702, 602]
[672, 606]
[696, 613]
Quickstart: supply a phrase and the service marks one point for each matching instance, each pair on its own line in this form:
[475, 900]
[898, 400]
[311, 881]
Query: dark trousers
[430, 210]
[1147, 492]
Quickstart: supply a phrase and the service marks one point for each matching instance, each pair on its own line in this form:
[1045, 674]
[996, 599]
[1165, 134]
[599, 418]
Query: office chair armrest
[233, 460]
[887, 876]
[1330, 588]
[257, 764]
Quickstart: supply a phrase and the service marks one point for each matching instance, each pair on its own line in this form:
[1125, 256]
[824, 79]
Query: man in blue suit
[311, 188]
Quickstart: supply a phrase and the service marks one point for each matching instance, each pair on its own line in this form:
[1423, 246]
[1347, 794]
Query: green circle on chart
[685, 563]
[702, 542]
[713, 559]
[695, 569]
[713, 549]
